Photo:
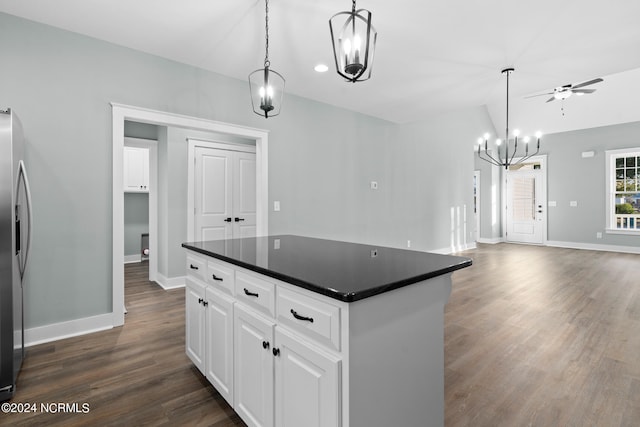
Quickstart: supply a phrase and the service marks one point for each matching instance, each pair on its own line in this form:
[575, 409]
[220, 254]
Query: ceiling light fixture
[354, 43]
[508, 161]
[321, 68]
[266, 85]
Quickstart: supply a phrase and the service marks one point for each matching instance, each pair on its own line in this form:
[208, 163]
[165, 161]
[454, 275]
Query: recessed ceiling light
[321, 68]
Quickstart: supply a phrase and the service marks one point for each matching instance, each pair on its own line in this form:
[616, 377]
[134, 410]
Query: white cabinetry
[270, 351]
[253, 367]
[136, 169]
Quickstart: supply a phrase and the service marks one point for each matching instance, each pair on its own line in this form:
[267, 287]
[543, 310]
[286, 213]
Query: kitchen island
[296, 331]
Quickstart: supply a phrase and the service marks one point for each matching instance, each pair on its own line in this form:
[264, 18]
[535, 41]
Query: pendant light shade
[265, 84]
[267, 87]
[354, 43]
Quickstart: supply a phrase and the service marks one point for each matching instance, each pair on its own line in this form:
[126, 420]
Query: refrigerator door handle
[22, 176]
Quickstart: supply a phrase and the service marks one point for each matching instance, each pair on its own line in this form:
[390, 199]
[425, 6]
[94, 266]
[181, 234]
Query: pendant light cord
[266, 32]
[353, 7]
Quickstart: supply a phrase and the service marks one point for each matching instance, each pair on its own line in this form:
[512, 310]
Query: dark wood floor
[533, 337]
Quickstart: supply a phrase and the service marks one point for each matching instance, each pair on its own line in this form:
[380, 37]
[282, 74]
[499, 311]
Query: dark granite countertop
[344, 271]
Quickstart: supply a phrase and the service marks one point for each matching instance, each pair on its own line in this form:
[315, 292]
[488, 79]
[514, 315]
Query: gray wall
[321, 160]
[136, 221]
[572, 177]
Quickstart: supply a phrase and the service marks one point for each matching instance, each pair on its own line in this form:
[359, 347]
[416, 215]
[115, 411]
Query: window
[623, 198]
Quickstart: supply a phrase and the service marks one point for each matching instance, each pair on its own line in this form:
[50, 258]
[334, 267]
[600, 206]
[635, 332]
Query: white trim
[477, 219]
[595, 247]
[448, 251]
[168, 283]
[610, 185]
[120, 113]
[68, 329]
[130, 259]
[491, 241]
[622, 231]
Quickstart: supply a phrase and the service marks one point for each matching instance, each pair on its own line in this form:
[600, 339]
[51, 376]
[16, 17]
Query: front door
[525, 206]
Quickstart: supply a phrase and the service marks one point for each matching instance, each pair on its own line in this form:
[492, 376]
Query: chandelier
[354, 43]
[507, 161]
[266, 85]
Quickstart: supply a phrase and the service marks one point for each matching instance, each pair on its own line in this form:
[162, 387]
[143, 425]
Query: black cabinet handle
[193, 267]
[239, 219]
[205, 303]
[227, 220]
[276, 351]
[200, 300]
[265, 345]
[219, 279]
[251, 294]
[297, 316]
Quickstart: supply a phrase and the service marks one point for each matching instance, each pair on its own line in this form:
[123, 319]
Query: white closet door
[244, 194]
[213, 194]
[225, 194]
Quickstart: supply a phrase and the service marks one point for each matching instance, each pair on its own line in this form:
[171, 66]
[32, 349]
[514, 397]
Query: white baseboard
[595, 247]
[68, 329]
[167, 283]
[492, 241]
[450, 250]
[128, 259]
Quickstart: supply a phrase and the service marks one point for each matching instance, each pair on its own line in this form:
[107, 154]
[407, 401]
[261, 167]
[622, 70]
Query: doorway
[120, 113]
[526, 201]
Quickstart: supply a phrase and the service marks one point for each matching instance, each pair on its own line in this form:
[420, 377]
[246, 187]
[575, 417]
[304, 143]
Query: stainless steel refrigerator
[15, 240]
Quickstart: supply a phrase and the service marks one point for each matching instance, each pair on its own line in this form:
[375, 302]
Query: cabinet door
[307, 384]
[253, 366]
[219, 339]
[136, 169]
[195, 323]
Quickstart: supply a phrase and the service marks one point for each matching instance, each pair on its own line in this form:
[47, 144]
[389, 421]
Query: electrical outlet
[408, 243]
[276, 244]
[374, 185]
[599, 235]
[573, 203]
[276, 206]
[374, 253]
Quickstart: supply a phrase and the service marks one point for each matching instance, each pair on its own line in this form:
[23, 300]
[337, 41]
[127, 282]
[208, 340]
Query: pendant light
[266, 85]
[354, 43]
[507, 161]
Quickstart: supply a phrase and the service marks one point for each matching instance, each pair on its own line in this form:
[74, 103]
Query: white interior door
[225, 193]
[213, 209]
[244, 194]
[525, 206]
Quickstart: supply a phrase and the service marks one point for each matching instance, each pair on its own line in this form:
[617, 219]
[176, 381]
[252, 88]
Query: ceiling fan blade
[590, 82]
[551, 99]
[540, 94]
[583, 90]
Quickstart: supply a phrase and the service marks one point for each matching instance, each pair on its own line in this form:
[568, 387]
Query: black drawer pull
[239, 219]
[265, 345]
[227, 220]
[193, 267]
[276, 351]
[297, 316]
[251, 294]
[200, 300]
[219, 279]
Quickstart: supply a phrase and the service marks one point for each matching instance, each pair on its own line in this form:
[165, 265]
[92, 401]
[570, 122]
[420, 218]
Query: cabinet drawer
[255, 292]
[220, 276]
[317, 319]
[196, 267]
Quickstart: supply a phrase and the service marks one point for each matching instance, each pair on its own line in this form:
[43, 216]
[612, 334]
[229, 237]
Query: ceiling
[432, 56]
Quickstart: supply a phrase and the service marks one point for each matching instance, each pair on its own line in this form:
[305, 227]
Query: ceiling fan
[564, 92]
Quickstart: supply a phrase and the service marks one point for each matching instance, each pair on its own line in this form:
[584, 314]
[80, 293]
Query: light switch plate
[573, 203]
[276, 206]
